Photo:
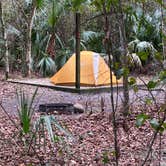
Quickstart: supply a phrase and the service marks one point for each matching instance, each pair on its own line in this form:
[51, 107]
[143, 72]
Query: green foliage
[164, 125]
[122, 72]
[33, 131]
[55, 13]
[25, 110]
[144, 26]
[137, 46]
[48, 121]
[132, 81]
[39, 3]
[105, 158]
[143, 56]
[40, 42]
[72, 43]
[75, 5]
[142, 50]
[46, 65]
[158, 56]
[140, 120]
[93, 40]
[151, 84]
[125, 71]
[132, 45]
[160, 79]
[100, 3]
[162, 75]
[59, 41]
[89, 35]
[62, 57]
[159, 1]
[135, 88]
[148, 101]
[154, 123]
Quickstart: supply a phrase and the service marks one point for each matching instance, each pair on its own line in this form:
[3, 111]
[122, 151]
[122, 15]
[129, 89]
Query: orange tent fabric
[93, 71]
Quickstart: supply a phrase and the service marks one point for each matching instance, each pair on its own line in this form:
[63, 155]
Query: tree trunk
[29, 42]
[6, 56]
[123, 43]
[5, 45]
[163, 24]
[108, 47]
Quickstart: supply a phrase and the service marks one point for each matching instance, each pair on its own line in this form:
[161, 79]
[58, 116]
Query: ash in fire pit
[62, 108]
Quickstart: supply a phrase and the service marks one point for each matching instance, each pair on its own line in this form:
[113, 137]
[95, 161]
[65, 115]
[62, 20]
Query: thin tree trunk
[6, 57]
[163, 29]
[108, 47]
[29, 42]
[123, 42]
[4, 34]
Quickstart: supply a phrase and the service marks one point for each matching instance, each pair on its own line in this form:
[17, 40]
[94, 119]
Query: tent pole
[77, 76]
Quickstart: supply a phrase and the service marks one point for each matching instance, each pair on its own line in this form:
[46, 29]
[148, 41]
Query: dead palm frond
[134, 60]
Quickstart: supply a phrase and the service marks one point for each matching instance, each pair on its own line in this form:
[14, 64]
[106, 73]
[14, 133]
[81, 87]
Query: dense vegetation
[46, 29]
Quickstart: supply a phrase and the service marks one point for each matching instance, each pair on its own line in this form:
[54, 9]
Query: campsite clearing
[93, 133]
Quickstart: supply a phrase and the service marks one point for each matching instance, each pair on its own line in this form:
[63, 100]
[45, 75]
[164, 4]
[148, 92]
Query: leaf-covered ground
[92, 140]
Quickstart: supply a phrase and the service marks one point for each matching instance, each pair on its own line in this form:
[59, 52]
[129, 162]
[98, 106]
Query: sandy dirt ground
[89, 101]
[93, 133]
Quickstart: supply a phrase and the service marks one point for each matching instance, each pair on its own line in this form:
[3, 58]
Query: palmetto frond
[137, 46]
[89, 35]
[46, 65]
[134, 60]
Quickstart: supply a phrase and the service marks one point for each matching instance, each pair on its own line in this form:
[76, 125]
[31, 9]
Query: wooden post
[77, 74]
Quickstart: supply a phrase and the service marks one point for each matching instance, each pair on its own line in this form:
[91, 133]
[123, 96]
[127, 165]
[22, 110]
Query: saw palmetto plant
[25, 109]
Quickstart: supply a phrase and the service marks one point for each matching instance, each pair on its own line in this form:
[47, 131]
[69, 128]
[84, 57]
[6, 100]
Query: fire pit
[62, 108]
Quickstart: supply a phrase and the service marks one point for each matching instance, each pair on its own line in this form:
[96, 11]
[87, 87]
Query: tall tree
[5, 42]
[29, 36]
[123, 44]
[53, 18]
[163, 26]
[27, 10]
[107, 9]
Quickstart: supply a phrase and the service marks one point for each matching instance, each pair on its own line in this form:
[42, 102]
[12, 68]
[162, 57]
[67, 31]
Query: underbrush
[92, 141]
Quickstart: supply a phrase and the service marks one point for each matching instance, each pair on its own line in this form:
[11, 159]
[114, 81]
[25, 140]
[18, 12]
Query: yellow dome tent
[93, 71]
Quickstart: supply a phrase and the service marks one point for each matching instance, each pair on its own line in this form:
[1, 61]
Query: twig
[154, 137]
[92, 18]
[9, 116]
[160, 149]
[1, 57]
[21, 9]
[117, 97]
[149, 90]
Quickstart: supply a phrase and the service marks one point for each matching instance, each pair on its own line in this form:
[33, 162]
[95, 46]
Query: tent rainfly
[93, 71]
